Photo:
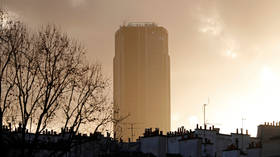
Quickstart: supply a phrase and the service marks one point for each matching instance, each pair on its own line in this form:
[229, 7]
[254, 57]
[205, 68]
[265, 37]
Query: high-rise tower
[141, 79]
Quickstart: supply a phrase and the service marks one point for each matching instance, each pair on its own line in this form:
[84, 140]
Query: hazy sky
[227, 50]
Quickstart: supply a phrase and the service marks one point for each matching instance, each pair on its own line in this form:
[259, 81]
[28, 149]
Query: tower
[141, 79]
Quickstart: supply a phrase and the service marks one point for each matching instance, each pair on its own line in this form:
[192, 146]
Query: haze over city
[222, 51]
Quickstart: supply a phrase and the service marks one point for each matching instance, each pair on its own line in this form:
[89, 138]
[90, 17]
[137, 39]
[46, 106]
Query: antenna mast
[204, 112]
[242, 133]
[204, 121]
[132, 129]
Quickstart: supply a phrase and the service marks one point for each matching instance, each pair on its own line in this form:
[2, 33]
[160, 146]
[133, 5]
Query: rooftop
[141, 24]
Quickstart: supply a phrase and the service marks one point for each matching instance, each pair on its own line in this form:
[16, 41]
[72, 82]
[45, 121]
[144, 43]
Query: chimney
[157, 131]
[196, 126]
[205, 127]
[213, 127]
[273, 123]
[237, 131]
[241, 131]
[246, 132]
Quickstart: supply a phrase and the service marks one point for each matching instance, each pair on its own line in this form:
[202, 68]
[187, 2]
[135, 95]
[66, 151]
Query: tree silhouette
[13, 39]
[45, 80]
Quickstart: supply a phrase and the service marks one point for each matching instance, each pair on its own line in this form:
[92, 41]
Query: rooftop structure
[141, 24]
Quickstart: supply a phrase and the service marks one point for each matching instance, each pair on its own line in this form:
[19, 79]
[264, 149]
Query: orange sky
[227, 50]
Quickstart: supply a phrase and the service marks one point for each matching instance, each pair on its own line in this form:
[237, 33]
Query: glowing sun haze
[227, 50]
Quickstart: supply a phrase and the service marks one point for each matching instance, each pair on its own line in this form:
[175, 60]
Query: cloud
[211, 25]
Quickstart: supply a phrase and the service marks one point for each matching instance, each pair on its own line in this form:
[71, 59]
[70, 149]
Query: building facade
[202, 142]
[141, 79]
[269, 135]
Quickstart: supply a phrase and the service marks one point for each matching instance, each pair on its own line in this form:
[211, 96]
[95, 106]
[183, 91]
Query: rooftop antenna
[204, 115]
[132, 129]
[242, 119]
[204, 111]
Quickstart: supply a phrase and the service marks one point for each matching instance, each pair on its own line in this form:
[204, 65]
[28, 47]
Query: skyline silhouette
[225, 50]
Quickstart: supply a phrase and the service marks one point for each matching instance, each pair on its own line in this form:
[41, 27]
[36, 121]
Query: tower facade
[141, 79]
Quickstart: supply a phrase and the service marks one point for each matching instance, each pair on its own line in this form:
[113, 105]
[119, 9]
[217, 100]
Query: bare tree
[59, 59]
[12, 37]
[44, 73]
[53, 81]
[28, 88]
[86, 99]
[85, 104]
[44, 77]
